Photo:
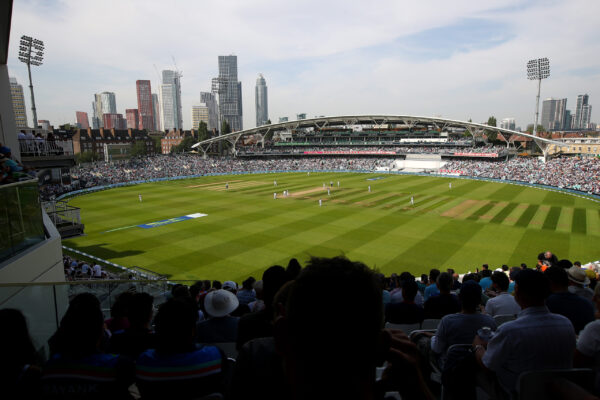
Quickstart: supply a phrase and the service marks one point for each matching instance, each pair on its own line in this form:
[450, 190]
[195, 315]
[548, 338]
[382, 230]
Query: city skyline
[463, 61]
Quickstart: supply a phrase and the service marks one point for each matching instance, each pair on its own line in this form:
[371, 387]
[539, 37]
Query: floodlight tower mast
[538, 69]
[31, 52]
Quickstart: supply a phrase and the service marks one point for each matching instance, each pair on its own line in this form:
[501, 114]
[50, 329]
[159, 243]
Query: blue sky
[460, 59]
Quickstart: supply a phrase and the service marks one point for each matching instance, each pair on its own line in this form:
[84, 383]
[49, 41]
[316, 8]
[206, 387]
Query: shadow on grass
[100, 251]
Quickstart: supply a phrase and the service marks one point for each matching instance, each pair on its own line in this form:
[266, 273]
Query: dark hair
[532, 285]
[433, 274]
[16, 344]
[317, 316]
[470, 295]
[444, 282]
[485, 266]
[450, 271]
[175, 325]
[504, 267]
[216, 285]
[486, 273]
[514, 271]
[409, 290]
[81, 328]
[406, 276]
[248, 283]
[293, 268]
[181, 291]
[566, 264]
[120, 307]
[140, 309]
[273, 279]
[424, 278]
[205, 285]
[523, 266]
[557, 276]
[469, 277]
[500, 279]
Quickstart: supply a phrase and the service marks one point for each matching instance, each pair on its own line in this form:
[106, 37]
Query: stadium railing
[21, 223]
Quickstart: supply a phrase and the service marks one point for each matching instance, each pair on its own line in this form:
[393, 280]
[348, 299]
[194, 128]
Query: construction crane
[179, 73]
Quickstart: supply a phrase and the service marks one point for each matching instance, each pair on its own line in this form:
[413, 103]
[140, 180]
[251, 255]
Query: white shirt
[537, 339]
[396, 297]
[97, 271]
[504, 303]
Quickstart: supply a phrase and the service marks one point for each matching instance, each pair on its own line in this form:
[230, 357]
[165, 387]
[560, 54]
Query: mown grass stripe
[433, 206]
[505, 212]
[552, 218]
[482, 210]
[579, 224]
[527, 215]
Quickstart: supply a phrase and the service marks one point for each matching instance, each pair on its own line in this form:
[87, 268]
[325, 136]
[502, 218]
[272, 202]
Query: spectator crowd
[296, 333]
[581, 174]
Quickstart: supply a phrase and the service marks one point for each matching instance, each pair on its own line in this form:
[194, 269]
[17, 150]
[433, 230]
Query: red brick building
[114, 121]
[172, 139]
[82, 119]
[145, 107]
[132, 118]
[94, 139]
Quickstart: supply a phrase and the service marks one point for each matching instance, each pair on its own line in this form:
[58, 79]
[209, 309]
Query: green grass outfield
[246, 231]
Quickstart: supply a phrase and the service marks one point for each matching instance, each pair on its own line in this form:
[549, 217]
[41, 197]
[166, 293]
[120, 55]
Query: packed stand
[287, 335]
[581, 174]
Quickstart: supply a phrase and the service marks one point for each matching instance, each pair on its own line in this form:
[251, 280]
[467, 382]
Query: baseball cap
[229, 285]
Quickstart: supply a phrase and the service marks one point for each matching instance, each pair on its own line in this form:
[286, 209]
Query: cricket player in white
[140, 197]
[338, 183]
[412, 201]
[274, 183]
[369, 188]
[450, 185]
[275, 196]
[227, 186]
[320, 202]
[328, 192]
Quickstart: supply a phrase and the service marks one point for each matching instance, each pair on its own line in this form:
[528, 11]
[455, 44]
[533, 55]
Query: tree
[139, 149]
[87, 156]
[202, 131]
[540, 128]
[185, 145]
[157, 144]
[225, 129]
[491, 121]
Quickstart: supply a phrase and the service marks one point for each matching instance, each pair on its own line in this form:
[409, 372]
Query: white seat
[502, 318]
[430, 323]
[406, 328]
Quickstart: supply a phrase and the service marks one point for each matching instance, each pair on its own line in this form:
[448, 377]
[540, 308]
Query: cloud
[458, 59]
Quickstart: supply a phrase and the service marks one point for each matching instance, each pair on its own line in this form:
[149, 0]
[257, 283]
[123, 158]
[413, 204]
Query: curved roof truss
[410, 121]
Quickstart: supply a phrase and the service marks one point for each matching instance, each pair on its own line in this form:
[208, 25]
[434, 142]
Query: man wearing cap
[577, 280]
[220, 327]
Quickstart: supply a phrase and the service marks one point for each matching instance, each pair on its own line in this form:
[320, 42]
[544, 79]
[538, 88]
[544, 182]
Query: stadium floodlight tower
[31, 52]
[537, 70]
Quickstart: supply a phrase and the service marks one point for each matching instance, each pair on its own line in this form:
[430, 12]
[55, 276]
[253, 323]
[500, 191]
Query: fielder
[320, 202]
[328, 192]
[412, 201]
[226, 185]
[275, 196]
[274, 183]
[369, 188]
[338, 183]
[450, 185]
[140, 197]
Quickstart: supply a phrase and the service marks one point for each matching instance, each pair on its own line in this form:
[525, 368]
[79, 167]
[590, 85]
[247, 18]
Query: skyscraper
[553, 114]
[582, 112]
[170, 100]
[104, 103]
[145, 106]
[82, 119]
[133, 119]
[230, 92]
[261, 101]
[199, 113]
[113, 121]
[213, 110]
[18, 103]
[156, 109]
[508, 123]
